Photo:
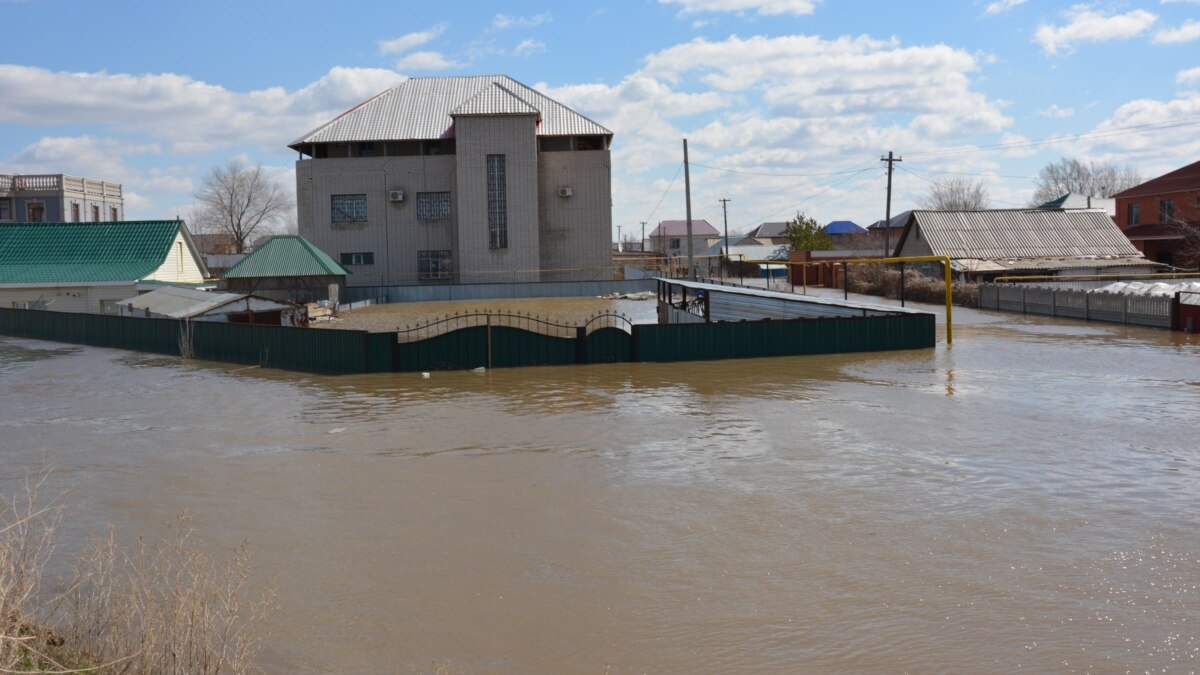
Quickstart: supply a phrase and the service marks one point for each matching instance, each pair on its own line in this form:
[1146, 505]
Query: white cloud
[763, 7]
[1149, 149]
[1055, 111]
[411, 40]
[1186, 32]
[426, 61]
[527, 48]
[502, 21]
[1001, 6]
[1189, 76]
[1085, 24]
[189, 114]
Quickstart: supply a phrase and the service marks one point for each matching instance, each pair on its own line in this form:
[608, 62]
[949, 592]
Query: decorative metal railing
[528, 322]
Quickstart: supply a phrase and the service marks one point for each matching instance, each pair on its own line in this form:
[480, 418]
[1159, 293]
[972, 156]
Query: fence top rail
[530, 322]
[1094, 277]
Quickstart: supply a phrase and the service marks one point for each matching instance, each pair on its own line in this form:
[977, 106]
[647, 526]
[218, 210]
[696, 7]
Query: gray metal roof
[420, 108]
[792, 297]
[1020, 233]
[180, 303]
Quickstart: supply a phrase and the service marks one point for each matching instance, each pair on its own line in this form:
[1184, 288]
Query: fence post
[1125, 309]
[1054, 302]
[1087, 306]
[489, 341]
[1023, 292]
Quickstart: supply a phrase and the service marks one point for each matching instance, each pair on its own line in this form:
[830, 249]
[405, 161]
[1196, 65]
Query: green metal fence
[329, 351]
[472, 341]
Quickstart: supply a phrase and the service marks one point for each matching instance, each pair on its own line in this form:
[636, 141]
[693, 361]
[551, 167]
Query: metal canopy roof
[286, 256]
[420, 109]
[792, 297]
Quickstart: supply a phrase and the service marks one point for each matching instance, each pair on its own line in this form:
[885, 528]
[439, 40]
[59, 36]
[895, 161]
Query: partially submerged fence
[476, 340]
[1140, 310]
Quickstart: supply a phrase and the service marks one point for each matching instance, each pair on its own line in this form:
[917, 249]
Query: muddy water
[1026, 499]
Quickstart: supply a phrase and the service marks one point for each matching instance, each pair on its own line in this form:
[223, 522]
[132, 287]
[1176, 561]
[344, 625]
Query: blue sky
[787, 104]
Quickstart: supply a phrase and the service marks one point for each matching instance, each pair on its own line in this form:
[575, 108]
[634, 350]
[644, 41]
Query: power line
[665, 192]
[774, 175]
[811, 197]
[1108, 133]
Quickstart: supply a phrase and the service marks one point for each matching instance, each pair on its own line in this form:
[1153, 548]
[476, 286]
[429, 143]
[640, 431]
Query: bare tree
[239, 200]
[956, 194]
[1094, 179]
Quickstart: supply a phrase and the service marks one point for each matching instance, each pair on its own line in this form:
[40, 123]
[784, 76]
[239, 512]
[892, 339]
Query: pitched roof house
[86, 267]
[1158, 214]
[287, 267]
[1033, 241]
[670, 237]
[443, 180]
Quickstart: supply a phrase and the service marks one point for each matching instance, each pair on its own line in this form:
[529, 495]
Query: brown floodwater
[1024, 500]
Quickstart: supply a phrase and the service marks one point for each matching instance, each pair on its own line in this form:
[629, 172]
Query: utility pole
[619, 238]
[887, 223]
[724, 209]
[687, 189]
[643, 244]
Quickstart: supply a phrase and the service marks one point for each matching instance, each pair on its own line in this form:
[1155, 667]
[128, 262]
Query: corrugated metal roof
[1074, 200]
[678, 228]
[844, 227]
[1020, 233]
[770, 230]
[420, 109]
[285, 256]
[792, 297]
[84, 252]
[495, 100]
[179, 303]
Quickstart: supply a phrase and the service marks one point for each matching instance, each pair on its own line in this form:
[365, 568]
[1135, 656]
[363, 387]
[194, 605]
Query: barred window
[348, 208]
[433, 206]
[364, 258]
[433, 264]
[497, 201]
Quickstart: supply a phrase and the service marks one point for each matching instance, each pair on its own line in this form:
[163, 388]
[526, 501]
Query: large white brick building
[458, 180]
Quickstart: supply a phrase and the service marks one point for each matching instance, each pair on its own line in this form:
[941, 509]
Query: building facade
[51, 198]
[1159, 215]
[458, 180]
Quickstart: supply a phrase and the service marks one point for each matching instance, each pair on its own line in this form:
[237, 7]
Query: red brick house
[1158, 214]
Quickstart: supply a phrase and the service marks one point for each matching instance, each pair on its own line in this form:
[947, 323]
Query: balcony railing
[59, 183]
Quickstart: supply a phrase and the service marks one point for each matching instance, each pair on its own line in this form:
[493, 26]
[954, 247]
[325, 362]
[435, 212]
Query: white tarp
[1189, 289]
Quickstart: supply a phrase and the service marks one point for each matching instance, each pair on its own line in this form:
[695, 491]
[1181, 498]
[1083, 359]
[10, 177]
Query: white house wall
[81, 299]
[180, 266]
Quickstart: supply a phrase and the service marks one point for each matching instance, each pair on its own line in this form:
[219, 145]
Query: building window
[5, 210]
[433, 264]
[348, 208]
[1134, 214]
[95, 213]
[433, 206]
[74, 212]
[497, 202]
[365, 258]
[35, 212]
[675, 243]
[1166, 211]
[112, 211]
[366, 149]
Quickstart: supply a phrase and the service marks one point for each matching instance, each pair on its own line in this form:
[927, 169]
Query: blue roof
[844, 227]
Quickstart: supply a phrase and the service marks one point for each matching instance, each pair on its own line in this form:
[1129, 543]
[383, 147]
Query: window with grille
[433, 264]
[433, 206]
[497, 202]
[348, 208]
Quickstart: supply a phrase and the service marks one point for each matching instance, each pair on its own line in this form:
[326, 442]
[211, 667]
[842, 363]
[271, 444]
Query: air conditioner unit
[396, 195]
[565, 192]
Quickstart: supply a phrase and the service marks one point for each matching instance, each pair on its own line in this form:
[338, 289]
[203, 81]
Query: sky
[787, 105]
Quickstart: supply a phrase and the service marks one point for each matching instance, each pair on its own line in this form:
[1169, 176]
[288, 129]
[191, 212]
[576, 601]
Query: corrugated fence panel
[518, 347]
[688, 342]
[547, 289]
[463, 349]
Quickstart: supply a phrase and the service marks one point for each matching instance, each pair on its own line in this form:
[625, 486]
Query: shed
[996, 242]
[289, 268]
[87, 267]
[175, 302]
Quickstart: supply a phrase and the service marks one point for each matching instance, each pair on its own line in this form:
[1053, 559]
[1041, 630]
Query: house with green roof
[287, 267]
[87, 267]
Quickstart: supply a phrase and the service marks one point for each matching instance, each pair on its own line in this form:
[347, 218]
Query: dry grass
[885, 281]
[167, 607]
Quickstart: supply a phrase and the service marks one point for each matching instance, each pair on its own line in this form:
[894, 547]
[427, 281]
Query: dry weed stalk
[167, 607]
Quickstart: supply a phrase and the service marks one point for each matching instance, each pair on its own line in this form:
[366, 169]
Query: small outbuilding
[999, 242]
[287, 268]
[174, 302]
